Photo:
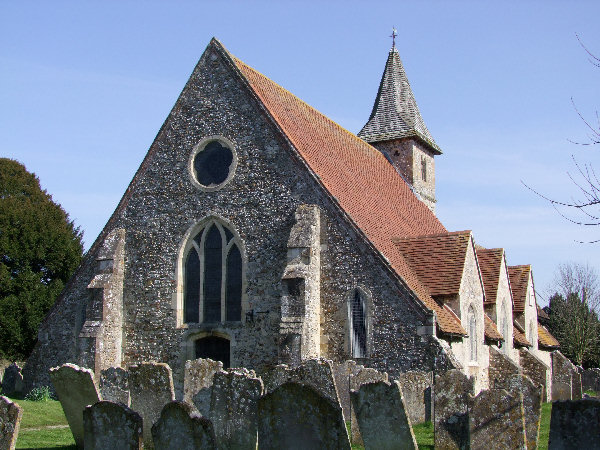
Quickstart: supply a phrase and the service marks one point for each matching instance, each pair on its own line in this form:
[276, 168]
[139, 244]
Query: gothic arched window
[213, 276]
[358, 324]
[472, 333]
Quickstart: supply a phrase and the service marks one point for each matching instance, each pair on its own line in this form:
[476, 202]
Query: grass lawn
[38, 426]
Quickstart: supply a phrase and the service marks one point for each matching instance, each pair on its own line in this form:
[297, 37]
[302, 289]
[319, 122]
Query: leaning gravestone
[12, 381]
[295, 417]
[233, 408]
[109, 425]
[181, 427]
[198, 381]
[451, 417]
[532, 405]
[496, 421]
[10, 420]
[561, 391]
[76, 389]
[114, 385]
[575, 424]
[151, 388]
[382, 416]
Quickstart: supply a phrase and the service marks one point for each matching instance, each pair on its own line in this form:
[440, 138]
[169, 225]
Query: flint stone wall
[496, 421]
[109, 425]
[574, 424]
[296, 416]
[182, 427]
[76, 389]
[270, 182]
[501, 370]
[536, 370]
[233, 408]
[12, 381]
[451, 419]
[417, 393]
[151, 388]
[114, 385]
[382, 416]
[198, 381]
[521, 385]
[10, 421]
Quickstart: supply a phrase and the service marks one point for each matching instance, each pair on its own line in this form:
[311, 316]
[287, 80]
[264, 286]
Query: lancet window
[472, 333]
[213, 276]
[358, 325]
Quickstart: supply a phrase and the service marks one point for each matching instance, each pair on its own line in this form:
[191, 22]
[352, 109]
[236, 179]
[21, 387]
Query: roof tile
[490, 262]
[519, 280]
[545, 339]
[519, 339]
[491, 331]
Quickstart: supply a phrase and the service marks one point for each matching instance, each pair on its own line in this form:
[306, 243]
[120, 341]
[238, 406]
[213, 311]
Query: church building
[257, 231]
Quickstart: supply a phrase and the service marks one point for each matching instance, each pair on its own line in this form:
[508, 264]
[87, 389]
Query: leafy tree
[573, 312]
[39, 250]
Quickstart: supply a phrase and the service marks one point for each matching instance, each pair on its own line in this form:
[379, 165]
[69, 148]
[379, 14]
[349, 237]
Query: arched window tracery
[213, 275]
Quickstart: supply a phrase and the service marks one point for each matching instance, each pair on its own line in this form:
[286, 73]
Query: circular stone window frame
[199, 147]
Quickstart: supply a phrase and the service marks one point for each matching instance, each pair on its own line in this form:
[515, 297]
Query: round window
[213, 163]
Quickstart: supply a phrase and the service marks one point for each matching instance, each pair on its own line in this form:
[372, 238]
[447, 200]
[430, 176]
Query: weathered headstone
[76, 389]
[10, 420]
[496, 421]
[151, 388]
[12, 381]
[576, 391]
[109, 425]
[561, 391]
[233, 408]
[360, 375]
[294, 416]
[416, 392]
[181, 427]
[590, 380]
[382, 416]
[198, 381]
[532, 406]
[114, 385]
[451, 416]
[575, 424]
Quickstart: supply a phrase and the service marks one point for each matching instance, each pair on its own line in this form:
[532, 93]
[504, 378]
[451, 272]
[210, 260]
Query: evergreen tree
[39, 250]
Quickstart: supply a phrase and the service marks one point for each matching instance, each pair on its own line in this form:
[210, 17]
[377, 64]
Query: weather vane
[393, 36]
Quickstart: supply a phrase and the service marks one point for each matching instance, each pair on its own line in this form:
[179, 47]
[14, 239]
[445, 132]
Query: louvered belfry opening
[359, 326]
[213, 276]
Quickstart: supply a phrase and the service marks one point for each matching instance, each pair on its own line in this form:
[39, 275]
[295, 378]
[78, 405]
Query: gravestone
[561, 391]
[532, 405]
[590, 380]
[109, 425]
[76, 389]
[10, 421]
[576, 388]
[181, 427]
[151, 388]
[198, 381]
[575, 424]
[12, 381]
[496, 421]
[451, 403]
[233, 408]
[296, 417]
[416, 392]
[382, 416]
[114, 385]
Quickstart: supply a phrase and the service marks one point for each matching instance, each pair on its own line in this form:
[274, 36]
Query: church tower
[397, 129]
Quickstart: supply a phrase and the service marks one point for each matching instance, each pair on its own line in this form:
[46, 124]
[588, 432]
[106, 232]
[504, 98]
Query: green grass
[545, 426]
[424, 435]
[39, 415]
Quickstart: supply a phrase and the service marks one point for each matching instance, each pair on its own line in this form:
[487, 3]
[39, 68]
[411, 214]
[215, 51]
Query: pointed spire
[395, 113]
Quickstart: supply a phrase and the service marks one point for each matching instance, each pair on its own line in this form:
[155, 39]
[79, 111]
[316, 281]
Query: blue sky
[87, 85]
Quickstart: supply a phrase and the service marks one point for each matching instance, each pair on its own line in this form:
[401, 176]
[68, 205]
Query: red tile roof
[545, 339]
[358, 176]
[519, 280]
[490, 262]
[542, 314]
[437, 259]
[519, 339]
[491, 331]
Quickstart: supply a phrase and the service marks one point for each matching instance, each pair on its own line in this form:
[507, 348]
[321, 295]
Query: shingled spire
[397, 129]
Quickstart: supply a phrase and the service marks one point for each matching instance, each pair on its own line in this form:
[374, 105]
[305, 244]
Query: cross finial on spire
[393, 36]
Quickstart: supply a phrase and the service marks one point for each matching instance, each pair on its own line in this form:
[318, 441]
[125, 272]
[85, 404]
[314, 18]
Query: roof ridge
[396, 240]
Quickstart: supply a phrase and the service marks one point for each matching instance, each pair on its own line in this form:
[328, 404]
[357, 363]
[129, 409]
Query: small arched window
[213, 276]
[472, 334]
[358, 324]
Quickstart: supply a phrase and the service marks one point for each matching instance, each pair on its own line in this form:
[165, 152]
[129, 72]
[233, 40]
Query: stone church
[257, 231]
